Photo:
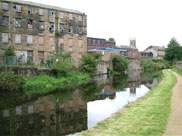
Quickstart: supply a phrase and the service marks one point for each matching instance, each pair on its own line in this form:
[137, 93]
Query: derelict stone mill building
[35, 30]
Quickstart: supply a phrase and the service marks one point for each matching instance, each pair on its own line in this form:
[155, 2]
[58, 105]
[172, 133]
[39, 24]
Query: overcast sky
[151, 22]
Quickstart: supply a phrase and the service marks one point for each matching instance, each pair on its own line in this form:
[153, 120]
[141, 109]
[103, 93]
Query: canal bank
[147, 116]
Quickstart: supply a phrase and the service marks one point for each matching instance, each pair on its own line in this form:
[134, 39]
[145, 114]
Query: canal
[68, 112]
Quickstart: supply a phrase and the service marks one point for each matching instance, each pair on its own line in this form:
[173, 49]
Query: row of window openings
[5, 21]
[41, 11]
[94, 42]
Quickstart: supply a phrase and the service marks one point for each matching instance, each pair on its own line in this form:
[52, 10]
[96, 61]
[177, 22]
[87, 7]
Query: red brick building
[93, 43]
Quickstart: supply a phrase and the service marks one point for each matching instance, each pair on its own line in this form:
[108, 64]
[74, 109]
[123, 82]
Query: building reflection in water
[66, 112]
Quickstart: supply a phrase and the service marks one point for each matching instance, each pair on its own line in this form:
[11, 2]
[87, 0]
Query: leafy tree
[9, 52]
[111, 39]
[174, 51]
[120, 63]
[88, 62]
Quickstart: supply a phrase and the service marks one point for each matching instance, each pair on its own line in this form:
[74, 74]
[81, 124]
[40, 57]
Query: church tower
[133, 43]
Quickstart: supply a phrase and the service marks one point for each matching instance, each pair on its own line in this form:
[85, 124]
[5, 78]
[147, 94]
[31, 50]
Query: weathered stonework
[45, 39]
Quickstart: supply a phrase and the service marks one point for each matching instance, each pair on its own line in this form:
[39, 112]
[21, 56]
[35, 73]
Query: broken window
[29, 39]
[30, 53]
[30, 23]
[18, 8]
[18, 22]
[17, 38]
[61, 28]
[41, 54]
[30, 10]
[70, 29]
[5, 37]
[5, 6]
[70, 16]
[51, 13]
[41, 25]
[5, 20]
[80, 18]
[51, 27]
[80, 30]
[41, 12]
[61, 15]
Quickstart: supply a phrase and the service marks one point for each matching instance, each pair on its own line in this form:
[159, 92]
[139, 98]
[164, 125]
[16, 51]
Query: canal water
[69, 112]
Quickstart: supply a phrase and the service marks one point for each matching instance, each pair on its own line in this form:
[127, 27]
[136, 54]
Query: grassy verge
[177, 70]
[44, 83]
[145, 117]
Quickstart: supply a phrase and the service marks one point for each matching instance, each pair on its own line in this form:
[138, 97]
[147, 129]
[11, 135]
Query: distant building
[93, 43]
[157, 51]
[35, 30]
[146, 55]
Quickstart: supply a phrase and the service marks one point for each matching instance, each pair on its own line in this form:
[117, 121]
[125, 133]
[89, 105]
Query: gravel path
[174, 127]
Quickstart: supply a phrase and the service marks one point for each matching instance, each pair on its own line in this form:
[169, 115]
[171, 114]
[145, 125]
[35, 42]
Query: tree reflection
[88, 91]
[119, 81]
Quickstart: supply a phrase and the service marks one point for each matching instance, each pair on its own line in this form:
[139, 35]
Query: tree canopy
[173, 51]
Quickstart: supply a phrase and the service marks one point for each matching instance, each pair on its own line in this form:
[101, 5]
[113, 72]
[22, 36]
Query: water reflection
[71, 111]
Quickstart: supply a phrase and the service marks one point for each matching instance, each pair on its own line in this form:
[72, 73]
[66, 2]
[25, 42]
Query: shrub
[120, 63]
[11, 82]
[62, 63]
[9, 52]
[88, 62]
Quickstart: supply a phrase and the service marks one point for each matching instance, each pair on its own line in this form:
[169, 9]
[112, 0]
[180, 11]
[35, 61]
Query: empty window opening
[70, 16]
[29, 39]
[89, 42]
[5, 37]
[80, 18]
[41, 54]
[30, 23]
[18, 8]
[41, 25]
[18, 22]
[70, 29]
[5, 6]
[41, 12]
[5, 20]
[70, 49]
[61, 28]
[17, 38]
[61, 15]
[51, 13]
[80, 30]
[51, 27]
[30, 10]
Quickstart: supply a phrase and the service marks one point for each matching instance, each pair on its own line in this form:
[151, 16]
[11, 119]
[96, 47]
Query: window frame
[16, 20]
[5, 5]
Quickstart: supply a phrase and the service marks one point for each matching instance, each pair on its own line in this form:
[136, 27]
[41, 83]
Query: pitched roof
[158, 48]
[42, 6]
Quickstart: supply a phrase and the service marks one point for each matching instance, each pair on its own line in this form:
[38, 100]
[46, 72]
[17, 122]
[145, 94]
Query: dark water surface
[71, 111]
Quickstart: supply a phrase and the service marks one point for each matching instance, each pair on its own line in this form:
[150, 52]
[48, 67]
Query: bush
[11, 82]
[120, 63]
[154, 65]
[9, 52]
[88, 62]
[62, 64]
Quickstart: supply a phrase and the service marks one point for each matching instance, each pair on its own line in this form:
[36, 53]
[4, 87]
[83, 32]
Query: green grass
[145, 117]
[177, 70]
[44, 83]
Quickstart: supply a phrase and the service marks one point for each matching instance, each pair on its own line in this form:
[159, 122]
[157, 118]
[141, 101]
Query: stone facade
[179, 65]
[35, 30]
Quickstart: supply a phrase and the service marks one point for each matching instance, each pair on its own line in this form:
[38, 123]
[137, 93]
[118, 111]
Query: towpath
[174, 127]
